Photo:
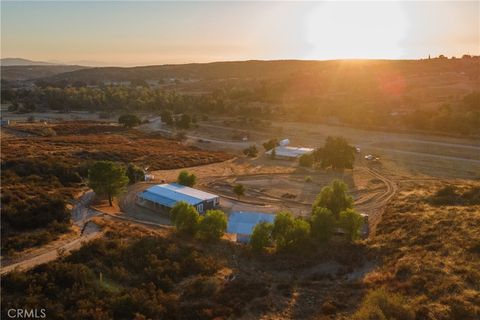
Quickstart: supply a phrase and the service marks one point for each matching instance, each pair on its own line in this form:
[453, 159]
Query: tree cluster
[188, 221]
[332, 210]
[186, 179]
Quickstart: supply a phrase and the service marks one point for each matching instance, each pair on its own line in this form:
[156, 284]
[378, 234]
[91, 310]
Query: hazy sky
[140, 33]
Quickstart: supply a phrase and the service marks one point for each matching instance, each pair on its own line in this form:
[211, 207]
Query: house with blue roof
[242, 223]
[162, 197]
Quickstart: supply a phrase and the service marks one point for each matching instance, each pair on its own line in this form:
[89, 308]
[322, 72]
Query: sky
[128, 33]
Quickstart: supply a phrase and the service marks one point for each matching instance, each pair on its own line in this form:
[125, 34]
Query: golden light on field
[357, 30]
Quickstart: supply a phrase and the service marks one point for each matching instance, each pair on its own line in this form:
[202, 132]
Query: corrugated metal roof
[243, 222]
[292, 152]
[169, 194]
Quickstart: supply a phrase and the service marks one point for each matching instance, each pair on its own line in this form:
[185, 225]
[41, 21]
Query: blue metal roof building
[242, 223]
[165, 196]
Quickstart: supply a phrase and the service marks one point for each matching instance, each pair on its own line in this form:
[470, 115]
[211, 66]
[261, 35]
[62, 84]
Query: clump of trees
[332, 210]
[107, 179]
[186, 179]
[129, 120]
[251, 151]
[336, 154]
[188, 221]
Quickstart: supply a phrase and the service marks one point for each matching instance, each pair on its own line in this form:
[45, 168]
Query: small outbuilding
[163, 197]
[289, 153]
[242, 223]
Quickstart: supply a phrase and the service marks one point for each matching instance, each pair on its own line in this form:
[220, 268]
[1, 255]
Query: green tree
[351, 222]
[185, 218]
[322, 224]
[167, 117]
[129, 120]
[261, 236]
[107, 178]
[239, 190]
[213, 225]
[336, 153]
[186, 179]
[334, 197]
[289, 232]
[135, 174]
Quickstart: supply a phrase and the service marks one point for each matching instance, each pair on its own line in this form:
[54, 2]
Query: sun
[356, 30]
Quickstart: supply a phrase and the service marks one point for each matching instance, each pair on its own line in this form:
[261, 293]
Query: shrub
[213, 225]
[261, 236]
[351, 222]
[185, 218]
[239, 190]
[334, 197]
[322, 224]
[251, 151]
[308, 179]
[186, 179]
[129, 120]
[380, 304]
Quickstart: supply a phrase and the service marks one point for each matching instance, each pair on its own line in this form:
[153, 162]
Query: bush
[351, 222]
[186, 179]
[379, 304]
[239, 190]
[261, 236]
[251, 151]
[213, 225]
[129, 120]
[308, 179]
[322, 224]
[334, 197]
[185, 218]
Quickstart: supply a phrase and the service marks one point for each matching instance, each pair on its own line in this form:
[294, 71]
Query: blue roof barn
[163, 197]
[242, 223]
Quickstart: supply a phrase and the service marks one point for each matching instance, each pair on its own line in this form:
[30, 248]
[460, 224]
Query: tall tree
[185, 218]
[322, 224]
[213, 225]
[107, 178]
[351, 222]
[334, 197]
[336, 153]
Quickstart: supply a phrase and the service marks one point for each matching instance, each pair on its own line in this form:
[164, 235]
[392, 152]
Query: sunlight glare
[350, 30]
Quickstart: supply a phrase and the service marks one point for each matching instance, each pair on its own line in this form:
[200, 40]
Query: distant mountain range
[24, 62]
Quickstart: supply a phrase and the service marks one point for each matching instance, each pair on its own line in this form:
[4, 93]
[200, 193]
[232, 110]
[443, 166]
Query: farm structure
[163, 197]
[289, 153]
[242, 223]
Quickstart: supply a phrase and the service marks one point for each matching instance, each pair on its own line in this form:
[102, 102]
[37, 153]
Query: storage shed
[289, 153]
[163, 197]
[242, 223]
